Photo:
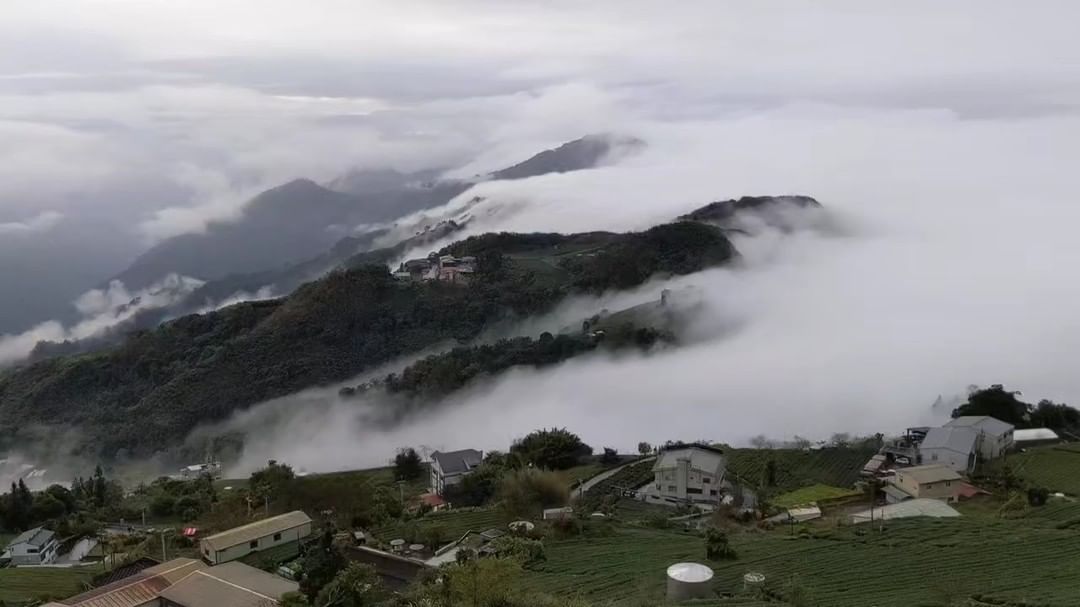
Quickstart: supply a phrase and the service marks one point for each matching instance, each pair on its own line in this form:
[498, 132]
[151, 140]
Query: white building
[693, 473]
[956, 448]
[253, 537]
[995, 437]
[447, 469]
[38, 546]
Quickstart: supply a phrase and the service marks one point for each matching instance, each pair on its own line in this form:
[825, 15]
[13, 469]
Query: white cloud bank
[42, 222]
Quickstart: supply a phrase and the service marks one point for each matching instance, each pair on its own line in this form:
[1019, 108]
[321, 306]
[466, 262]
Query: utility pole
[164, 556]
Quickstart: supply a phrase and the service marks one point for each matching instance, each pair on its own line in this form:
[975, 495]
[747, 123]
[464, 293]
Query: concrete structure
[933, 481]
[691, 473]
[231, 584]
[556, 514]
[448, 468]
[260, 535]
[995, 437]
[38, 546]
[687, 581]
[956, 448]
[139, 590]
[910, 508]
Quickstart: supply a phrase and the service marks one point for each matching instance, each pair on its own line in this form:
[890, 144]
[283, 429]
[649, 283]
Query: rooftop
[960, 439]
[234, 584]
[930, 473]
[38, 536]
[137, 589]
[984, 423]
[1032, 434]
[456, 462]
[256, 530]
[914, 507]
[701, 458]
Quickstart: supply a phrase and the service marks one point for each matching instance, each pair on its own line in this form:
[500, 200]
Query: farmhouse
[691, 473]
[995, 437]
[38, 546]
[952, 447]
[241, 541]
[448, 468]
[138, 590]
[930, 481]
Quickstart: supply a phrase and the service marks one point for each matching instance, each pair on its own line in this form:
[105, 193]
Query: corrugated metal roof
[233, 584]
[700, 459]
[930, 473]
[958, 439]
[138, 589]
[990, 425]
[256, 530]
[38, 536]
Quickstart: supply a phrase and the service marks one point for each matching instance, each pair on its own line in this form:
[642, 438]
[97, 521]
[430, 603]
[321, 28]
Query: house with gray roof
[688, 473]
[994, 437]
[955, 447]
[449, 467]
[37, 546]
[933, 481]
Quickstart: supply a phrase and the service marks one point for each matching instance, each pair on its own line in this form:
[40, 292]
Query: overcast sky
[945, 133]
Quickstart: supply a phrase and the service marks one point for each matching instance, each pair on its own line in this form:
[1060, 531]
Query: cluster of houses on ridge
[447, 268]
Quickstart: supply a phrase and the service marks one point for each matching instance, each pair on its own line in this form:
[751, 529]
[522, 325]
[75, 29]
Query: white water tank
[689, 581]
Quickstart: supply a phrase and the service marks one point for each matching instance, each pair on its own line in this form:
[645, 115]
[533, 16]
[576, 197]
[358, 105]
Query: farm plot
[631, 477]
[23, 584]
[450, 525]
[1057, 468]
[813, 494]
[795, 468]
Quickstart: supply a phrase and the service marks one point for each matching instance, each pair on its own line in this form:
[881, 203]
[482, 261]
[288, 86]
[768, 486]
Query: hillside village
[551, 522]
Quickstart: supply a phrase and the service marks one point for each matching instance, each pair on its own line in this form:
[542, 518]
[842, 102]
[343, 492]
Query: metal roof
[38, 536]
[1031, 434]
[233, 584]
[256, 530]
[700, 458]
[137, 589]
[985, 423]
[959, 439]
[906, 509]
[931, 473]
[456, 462]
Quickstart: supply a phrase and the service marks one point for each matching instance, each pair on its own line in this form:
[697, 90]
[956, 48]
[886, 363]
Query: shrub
[717, 546]
[525, 551]
[554, 449]
[528, 491]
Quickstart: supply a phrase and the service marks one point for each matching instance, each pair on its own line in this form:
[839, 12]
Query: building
[138, 590]
[448, 468]
[253, 537]
[692, 473]
[38, 546]
[995, 437]
[935, 481]
[1034, 436]
[955, 447]
[231, 584]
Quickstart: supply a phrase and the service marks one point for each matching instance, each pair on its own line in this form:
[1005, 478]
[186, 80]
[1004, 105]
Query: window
[277, 537]
[31, 551]
[253, 545]
[671, 488]
[934, 457]
[706, 479]
[692, 490]
[712, 492]
[948, 484]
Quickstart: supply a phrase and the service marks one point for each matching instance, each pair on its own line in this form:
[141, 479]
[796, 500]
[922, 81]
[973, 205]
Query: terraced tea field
[795, 468]
[1055, 467]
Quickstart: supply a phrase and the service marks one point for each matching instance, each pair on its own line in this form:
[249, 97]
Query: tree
[100, 489]
[610, 456]
[761, 442]
[271, 480]
[717, 546]
[768, 474]
[554, 449]
[527, 491]
[840, 439]
[644, 448]
[321, 566]
[46, 507]
[1037, 496]
[486, 582]
[407, 464]
[294, 599]
[525, 551]
[357, 585]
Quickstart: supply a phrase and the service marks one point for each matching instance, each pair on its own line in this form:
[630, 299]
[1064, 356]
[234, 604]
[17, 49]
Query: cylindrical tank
[689, 581]
[753, 581]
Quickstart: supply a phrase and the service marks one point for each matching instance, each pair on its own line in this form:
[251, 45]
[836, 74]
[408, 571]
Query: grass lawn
[1055, 467]
[813, 493]
[937, 562]
[22, 584]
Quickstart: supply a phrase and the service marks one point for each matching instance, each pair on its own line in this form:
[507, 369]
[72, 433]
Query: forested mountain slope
[147, 393]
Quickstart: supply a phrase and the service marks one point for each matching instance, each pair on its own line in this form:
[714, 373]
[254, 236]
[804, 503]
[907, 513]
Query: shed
[1030, 436]
[232, 584]
[260, 535]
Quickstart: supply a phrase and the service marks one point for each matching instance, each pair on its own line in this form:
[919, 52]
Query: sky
[942, 134]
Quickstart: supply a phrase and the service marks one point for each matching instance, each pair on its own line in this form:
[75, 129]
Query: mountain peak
[584, 153]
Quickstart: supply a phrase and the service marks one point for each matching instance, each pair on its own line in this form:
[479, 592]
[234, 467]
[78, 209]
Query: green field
[1055, 467]
[23, 584]
[914, 562]
[454, 523]
[795, 468]
[813, 494]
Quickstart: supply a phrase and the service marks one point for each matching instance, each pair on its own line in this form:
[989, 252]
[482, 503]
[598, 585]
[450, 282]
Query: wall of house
[947, 457]
[946, 490]
[269, 541]
[684, 483]
[25, 554]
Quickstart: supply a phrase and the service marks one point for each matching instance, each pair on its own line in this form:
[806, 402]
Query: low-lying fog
[950, 262]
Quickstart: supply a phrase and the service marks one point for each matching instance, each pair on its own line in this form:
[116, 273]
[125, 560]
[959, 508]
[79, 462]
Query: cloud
[100, 310]
[42, 222]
